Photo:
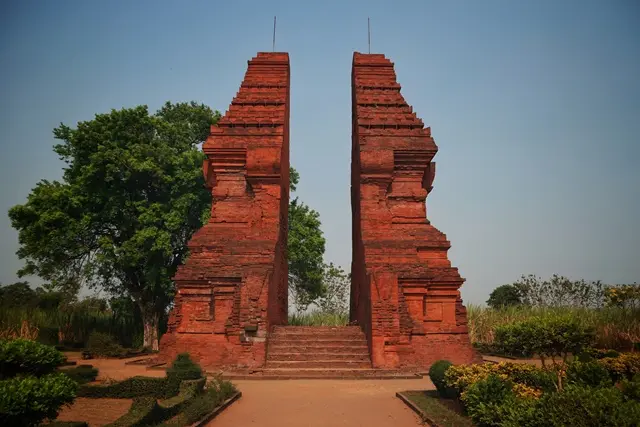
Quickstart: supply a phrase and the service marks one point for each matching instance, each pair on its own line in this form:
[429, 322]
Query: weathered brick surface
[405, 293]
[233, 287]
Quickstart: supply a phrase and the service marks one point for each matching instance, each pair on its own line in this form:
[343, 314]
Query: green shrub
[223, 387]
[627, 365]
[188, 390]
[215, 394]
[436, 373]
[588, 374]
[104, 345]
[545, 337]
[183, 368]
[590, 354]
[130, 388]
[26, 401]
[584, 406]
[490, 401]
[81, 374]
[532, 378]
[144, 411]
[631, 388]
[526, 374]
[21, 356]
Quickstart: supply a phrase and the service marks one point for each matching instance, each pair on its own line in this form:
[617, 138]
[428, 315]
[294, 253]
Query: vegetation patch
[81, 374]
[179, 399]
[318, 318]
[30, 389]
[25, 357]
[130, 388]
[435, 409]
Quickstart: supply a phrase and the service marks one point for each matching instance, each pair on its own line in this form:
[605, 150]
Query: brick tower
[233, 287]
[405, 294]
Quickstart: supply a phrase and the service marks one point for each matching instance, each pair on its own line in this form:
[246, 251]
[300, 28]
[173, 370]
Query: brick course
[405, 293]
[233, 287]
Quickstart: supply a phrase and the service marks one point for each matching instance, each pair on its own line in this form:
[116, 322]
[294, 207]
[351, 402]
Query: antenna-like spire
[369, 32]
[274, 34]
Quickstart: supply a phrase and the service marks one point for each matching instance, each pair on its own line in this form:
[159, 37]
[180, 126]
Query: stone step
[308, 356]
[324, 364]
[298, 329]
[320, 374]
[317, 349]
[293, 337]
[326, 340]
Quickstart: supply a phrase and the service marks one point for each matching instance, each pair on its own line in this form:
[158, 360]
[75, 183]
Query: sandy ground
[284, 403]
[96, 412]
[114, 369]
[321, 403]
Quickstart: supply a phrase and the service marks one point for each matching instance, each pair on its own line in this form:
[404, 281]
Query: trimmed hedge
[216, 393]
[437, 375]
[81, 374]
[544, 337]
[130, 388]
[21, 356]
[144, 411]
[183, 368]
[149, 411]
[26, 401]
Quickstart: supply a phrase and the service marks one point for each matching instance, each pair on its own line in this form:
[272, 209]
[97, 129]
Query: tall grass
[71, 327]
[616, 328]
[318, 318]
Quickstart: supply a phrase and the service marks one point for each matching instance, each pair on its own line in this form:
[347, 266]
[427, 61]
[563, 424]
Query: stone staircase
[319, 352]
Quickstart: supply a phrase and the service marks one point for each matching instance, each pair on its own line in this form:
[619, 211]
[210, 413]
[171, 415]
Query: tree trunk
[150, 320]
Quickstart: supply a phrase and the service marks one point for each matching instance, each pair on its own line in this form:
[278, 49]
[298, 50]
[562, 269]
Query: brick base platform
[318, 352]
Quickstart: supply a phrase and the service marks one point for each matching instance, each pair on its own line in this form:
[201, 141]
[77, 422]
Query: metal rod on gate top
[369, 32]
[274, 34]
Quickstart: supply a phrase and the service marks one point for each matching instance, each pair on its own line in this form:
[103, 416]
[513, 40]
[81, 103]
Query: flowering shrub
[624, 366]
[627, 296]
[531, 380]
[545, 337]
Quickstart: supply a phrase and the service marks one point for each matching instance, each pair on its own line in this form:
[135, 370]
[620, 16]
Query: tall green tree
[505, 296]
[131, 196]
[305, 250]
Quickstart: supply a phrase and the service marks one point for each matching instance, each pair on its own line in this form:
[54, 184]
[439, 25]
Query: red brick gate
[404, 292]
[233, 287]
[232, 290]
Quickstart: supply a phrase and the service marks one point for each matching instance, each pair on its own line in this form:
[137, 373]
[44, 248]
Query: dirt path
[286, 403]
[321, 403]
[95, 412]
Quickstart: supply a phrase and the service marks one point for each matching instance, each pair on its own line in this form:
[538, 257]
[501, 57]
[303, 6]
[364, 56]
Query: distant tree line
[560, 291]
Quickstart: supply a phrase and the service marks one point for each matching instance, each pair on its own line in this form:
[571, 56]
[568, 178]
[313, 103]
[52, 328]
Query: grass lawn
[443, 412]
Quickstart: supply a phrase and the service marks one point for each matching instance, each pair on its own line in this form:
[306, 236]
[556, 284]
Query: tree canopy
[504, 296]
[305, 250]
[131, 196]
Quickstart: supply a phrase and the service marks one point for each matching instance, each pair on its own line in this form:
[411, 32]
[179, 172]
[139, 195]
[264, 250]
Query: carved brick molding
[405, 294]
[233, 286]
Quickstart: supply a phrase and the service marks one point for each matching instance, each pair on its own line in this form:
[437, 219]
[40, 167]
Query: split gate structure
[404, 292]
[231, 294]
[233, 287]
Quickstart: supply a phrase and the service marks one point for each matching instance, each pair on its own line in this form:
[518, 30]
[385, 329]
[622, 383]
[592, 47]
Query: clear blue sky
[535, 106]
